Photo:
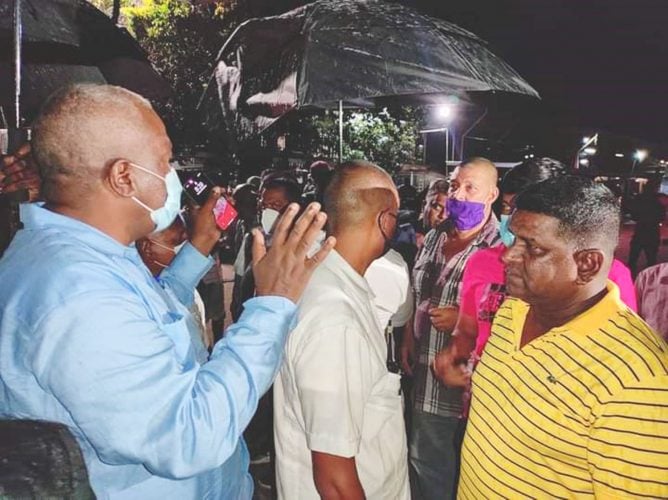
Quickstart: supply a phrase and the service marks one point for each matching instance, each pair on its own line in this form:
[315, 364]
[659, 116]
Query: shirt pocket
[176, 328]
[383, 404]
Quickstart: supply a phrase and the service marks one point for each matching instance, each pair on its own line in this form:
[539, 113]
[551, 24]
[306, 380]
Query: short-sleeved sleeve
[406, 309]
[628, 443]
[334, 379]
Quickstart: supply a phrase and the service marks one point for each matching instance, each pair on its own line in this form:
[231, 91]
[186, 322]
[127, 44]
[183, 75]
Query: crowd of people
[484, 343]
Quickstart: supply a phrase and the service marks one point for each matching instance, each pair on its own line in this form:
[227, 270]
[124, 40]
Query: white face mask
[163, 217]
[269, 216]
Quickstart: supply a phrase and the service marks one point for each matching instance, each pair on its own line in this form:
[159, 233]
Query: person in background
[570, 399]
[433, 210]
[652, 287]
[338, 414]
[484, 281]
[320, 173]
[246, 202]
[649, 213]
[110, 350]
[158, 250]
[255, 181]
[437, 426]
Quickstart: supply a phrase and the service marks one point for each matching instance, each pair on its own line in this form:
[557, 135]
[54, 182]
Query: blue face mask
[164, 216]
[507, 237]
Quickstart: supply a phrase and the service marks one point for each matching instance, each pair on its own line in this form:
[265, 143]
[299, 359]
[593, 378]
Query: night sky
[598, 64]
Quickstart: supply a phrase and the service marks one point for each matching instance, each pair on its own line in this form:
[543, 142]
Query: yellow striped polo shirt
[580, 412]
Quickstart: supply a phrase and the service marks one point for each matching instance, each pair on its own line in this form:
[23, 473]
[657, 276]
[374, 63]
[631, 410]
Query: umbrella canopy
[70, 41]
[359, 52]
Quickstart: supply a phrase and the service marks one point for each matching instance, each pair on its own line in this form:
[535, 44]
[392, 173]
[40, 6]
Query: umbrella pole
[340, 131]
[17, 62]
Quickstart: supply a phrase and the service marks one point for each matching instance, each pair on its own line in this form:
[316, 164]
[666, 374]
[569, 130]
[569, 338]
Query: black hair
[286, 181]
[530, 172]
[586, 210]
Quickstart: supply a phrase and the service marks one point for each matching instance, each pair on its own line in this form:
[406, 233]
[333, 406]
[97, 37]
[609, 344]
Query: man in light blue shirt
[90, 339]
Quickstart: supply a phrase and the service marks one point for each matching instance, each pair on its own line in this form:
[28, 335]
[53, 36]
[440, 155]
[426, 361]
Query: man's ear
[120, 179]
[589, 263]
[493, 195]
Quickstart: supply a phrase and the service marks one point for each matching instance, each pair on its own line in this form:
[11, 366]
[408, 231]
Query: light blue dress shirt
[90, 339]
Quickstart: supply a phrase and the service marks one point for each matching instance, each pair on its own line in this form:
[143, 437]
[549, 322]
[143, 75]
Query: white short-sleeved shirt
[390, 282]
[334, 394]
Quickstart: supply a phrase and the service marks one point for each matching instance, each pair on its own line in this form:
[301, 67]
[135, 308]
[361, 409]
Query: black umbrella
[357, 53]
[68, 41]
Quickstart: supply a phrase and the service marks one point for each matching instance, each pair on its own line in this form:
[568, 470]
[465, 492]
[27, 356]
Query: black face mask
[387, 245]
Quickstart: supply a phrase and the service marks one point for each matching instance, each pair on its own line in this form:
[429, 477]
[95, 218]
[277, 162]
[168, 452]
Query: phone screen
[225, 213]
[198, 186]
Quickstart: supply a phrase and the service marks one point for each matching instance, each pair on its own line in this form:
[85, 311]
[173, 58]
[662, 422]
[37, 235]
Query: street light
[639, 156]
[444, 114]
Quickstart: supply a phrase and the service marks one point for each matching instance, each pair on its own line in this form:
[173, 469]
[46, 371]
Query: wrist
[203, 244]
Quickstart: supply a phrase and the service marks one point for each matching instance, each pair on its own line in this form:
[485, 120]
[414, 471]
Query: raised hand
[285, 269]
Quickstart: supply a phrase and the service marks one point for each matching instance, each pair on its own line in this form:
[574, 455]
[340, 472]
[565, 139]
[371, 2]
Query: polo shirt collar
[598, 314]
[35, 217]
[584, 323]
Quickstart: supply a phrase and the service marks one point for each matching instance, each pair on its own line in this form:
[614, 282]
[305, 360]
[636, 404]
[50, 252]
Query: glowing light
[640, 155]
[584, 162]
[590, 151]
[619, 155]
[444, 112]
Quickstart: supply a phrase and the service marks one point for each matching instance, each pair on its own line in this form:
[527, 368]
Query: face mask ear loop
[141, 203]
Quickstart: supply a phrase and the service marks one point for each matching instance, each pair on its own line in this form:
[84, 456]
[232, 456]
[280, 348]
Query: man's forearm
[336, 477]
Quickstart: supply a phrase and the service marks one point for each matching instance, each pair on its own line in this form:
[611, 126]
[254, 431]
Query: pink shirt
[484, 289]
[652, 285]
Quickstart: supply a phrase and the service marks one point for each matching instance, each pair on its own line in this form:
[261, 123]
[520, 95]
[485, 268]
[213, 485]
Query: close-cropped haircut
[588, 212]
[349, 200]
[66, 132]
[530, 172]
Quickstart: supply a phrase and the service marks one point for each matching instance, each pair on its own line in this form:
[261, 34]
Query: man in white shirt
[390, 282]
[338, 419]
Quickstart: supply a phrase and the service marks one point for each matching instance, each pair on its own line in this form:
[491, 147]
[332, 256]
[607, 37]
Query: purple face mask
[465, 214]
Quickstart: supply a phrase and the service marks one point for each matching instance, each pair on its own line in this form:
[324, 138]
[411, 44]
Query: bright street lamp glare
[619, 155]
[584, 162]
[590, 151]
[444, 112]
[640, 155]
[585, 140]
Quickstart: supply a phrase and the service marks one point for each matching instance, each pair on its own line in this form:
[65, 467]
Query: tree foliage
[386, 137]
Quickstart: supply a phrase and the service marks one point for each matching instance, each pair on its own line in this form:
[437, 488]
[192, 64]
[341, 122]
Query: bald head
[484, 167]
[357, 193]
[81, 129]
[475, 180]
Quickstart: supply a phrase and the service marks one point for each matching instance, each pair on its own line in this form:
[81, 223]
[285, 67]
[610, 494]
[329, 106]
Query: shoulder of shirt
[56, 275]
[637, 347]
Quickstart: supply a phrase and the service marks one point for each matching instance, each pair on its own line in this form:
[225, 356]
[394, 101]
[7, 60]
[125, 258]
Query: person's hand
[407, 351]
[205, 233]
[18, 173]
[444, 319]
[451, 369]
[284, 270]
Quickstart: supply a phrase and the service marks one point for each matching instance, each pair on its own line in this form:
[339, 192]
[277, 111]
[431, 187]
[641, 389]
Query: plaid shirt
[438, 283]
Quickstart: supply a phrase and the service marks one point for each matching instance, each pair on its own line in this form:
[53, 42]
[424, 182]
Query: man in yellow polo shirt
[570, 398]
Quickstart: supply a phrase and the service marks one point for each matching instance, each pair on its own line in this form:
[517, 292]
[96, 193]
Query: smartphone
[199, 186]
[225, 213]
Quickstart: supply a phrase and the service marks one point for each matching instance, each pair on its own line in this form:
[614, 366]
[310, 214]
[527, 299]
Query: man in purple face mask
[437, 427]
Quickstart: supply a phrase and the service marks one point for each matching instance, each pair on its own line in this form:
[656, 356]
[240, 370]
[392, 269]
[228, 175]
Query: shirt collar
[35, 217]
[489, 234]
[598, 314]
[340, 267]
